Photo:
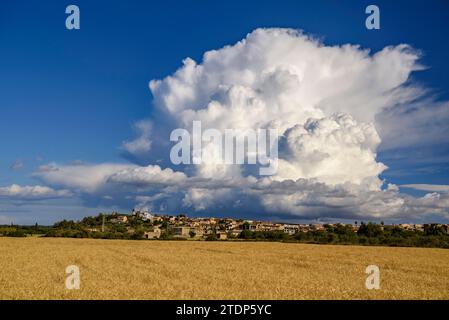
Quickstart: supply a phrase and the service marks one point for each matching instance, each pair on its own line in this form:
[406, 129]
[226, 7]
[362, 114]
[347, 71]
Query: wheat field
[34, 268]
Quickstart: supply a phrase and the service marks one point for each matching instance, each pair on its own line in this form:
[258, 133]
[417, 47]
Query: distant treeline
[102, 226]
[23, 231]
[367, 234]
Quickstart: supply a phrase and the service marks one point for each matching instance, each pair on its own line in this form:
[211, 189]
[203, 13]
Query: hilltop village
[150, 226]
[181, 226]
[143, 225]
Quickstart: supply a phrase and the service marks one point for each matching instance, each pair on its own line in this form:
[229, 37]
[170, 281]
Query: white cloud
[427, 187]
[326, 102]
[83, 177]
[17, 192]
[328, 96]
[157, 188]
[150, 175]
[421, 123]
[142, 144]
[333, 150]
[288, 77]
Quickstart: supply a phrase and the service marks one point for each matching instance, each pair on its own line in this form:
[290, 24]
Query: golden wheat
[34, 268]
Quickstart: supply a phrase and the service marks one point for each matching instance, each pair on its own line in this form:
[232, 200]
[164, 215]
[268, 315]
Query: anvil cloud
[325, 101]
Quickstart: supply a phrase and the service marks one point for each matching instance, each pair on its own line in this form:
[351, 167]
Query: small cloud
[18, 192]
[85, 177]
[17, 165]
[427, 187]
[77, 162]
[141, 144]
[48, 168]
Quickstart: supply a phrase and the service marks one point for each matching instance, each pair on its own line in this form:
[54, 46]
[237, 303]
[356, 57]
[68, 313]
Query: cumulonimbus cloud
[324, 101]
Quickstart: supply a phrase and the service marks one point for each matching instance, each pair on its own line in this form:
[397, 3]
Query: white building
[143, 214]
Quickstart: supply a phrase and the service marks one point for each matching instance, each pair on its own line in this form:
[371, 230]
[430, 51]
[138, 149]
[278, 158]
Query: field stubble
[34, 268]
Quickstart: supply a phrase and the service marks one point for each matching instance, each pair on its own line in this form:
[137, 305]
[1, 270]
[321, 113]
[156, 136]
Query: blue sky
[75, 95]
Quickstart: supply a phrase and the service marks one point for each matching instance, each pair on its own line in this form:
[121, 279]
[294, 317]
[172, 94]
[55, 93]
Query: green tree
[138, 234]
[246, 234]
[212, 237]
[434, 230]
[370, 230]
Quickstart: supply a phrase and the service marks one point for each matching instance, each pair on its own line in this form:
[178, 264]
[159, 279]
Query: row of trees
[101, 227]
[23, 231]
[367, 234]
